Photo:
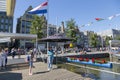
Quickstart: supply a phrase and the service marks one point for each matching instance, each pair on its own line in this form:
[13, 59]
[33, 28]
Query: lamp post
[102, 42]
[110, 54]
[37, 43]
[37, 38]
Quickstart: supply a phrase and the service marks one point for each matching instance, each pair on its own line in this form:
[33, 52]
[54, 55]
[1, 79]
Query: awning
[18, 35]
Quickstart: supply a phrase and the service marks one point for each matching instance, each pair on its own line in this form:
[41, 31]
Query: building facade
[24, 22]
[111, 33]
[23, 27]
[6, 15]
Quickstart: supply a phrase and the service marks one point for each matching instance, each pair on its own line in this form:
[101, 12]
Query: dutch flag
[41, 9]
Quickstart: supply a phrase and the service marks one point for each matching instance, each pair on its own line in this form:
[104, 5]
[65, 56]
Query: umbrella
[60, 37]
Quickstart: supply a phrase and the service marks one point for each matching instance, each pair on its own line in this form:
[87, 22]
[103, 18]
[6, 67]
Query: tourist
[2, 59]
[19, 53]
[13, 53]
[35, 54]
[29, 59]
[5, 55]
[50, 58]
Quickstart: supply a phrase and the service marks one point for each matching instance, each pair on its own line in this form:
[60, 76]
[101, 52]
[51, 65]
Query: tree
[71, 30]
[107, 40]
[93, 40]
[38, 23]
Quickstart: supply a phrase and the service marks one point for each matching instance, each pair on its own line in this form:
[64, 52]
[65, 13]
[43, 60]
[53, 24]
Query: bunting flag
[41, 9]
[99, 19]
[111, 17]
[89, 24]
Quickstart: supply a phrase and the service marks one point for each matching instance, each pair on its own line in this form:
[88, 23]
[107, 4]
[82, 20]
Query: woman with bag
[29, 59]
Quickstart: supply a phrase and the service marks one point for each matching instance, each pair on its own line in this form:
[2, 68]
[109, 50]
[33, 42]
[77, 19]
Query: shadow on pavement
[41, 72]
[10, 76]
[13, 67]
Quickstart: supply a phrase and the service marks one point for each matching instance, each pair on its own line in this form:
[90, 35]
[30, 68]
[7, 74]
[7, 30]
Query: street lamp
[36, 38]
[102, 42]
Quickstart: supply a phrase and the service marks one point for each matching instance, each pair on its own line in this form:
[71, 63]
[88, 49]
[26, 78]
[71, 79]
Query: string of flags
[101, 19]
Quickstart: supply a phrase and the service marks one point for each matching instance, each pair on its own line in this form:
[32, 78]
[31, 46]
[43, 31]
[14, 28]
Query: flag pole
[47, 23]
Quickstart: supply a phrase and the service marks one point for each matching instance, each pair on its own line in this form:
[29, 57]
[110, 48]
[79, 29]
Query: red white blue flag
[41, 9]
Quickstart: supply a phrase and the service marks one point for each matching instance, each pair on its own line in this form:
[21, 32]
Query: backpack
[28, 58]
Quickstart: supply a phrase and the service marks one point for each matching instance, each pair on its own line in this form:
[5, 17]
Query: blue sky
[82, 11]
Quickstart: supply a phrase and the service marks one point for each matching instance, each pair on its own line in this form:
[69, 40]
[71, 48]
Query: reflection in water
[96, 75]
[116, 68]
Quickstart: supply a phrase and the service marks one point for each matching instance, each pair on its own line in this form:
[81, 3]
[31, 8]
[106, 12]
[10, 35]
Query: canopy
[18, 35]
[60, 37]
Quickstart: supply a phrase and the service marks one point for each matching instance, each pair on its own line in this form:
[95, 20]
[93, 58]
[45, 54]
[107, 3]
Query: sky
[82, 11]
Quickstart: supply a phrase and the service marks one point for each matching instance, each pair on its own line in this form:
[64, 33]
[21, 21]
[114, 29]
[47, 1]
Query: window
[10, 21]
[6, 21]
[6, 26]
[2, 26]
[28, 23]
[27, 30]
[2, 20]
[9, 28]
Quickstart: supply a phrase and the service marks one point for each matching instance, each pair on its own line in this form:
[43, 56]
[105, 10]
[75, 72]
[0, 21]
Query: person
[29, 58]
[50, 54]
[2, 59]
[5, 55]
[13, 53]
[35, 54]
[19, 53]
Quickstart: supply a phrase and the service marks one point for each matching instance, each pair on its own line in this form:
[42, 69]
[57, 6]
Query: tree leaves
[39, 23]
[71, 29]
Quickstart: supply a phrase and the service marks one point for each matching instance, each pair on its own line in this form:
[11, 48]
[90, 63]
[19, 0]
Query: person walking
[50, 58]
[2, 59]
[29, 59]
[5, 55]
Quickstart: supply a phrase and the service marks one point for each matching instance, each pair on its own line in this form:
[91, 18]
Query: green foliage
[93, 40]
[38, 23]
[71, 29]
[107, 40]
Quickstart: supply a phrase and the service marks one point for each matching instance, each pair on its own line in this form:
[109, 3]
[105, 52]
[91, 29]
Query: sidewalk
[17, 69]
[39, 73]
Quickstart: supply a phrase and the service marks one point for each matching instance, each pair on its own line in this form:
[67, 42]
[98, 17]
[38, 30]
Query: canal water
[94, 72]
[103, 73]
